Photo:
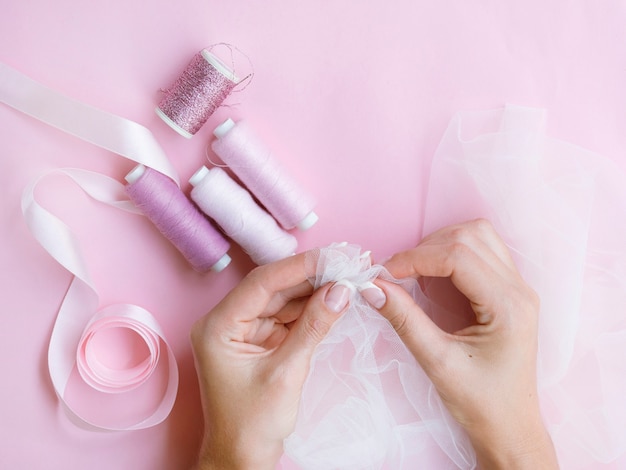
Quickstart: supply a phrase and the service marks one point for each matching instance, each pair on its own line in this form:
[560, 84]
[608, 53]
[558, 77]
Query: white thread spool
[234, 210]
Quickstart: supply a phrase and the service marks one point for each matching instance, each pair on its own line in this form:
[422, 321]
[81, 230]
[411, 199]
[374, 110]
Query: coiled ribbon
[80, 327]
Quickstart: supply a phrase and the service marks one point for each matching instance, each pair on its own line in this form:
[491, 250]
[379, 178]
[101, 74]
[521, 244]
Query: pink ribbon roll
[99, 360]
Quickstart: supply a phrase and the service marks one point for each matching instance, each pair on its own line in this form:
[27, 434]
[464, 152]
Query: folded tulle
[368, 405]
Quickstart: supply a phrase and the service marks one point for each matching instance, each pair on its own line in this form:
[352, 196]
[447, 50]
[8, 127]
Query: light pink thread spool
[253, 163]
[196, 94]
[234, 210]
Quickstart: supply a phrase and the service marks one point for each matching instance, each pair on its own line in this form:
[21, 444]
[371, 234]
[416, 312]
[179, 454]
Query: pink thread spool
[162, 201]
[196, 94]
[234, 210]
[253, 163]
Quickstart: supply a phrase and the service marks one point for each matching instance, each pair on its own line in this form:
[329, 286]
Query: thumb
[417, 331]
[321, 311]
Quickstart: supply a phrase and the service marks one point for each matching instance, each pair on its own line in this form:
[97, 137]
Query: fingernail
[373, 294]
[338, 297]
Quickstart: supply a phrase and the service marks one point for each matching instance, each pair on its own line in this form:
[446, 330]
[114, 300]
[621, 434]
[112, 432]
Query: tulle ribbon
[80, 344]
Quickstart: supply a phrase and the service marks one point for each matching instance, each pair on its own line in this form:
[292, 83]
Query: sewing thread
[263, 175]
[160, 199]
[240, 217]
[196, 94]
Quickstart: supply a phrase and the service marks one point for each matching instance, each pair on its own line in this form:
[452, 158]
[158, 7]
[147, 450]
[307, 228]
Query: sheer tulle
[560, 208]
[367, 403]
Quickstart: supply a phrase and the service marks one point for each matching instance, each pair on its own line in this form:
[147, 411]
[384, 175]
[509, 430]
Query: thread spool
[253, 163]
[196, 94]
[241, 218]
[162, 201]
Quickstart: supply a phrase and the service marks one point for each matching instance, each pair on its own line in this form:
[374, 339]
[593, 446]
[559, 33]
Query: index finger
[266, 289]
[478, 235]
[470, 272]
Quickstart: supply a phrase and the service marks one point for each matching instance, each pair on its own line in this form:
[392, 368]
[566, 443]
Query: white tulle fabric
[560, 209]
[367, 403]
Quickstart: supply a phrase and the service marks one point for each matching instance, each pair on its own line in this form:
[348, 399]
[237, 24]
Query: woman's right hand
[485, 373]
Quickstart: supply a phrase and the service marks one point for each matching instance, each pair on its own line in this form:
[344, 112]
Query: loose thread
[248, 78]
[160, 199]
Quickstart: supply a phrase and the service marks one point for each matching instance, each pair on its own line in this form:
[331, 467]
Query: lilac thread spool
[234, 210]
[196, 94]
[253, 163]
[162, 201]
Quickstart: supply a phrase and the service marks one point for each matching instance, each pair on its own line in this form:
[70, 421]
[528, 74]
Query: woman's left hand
[252, 354]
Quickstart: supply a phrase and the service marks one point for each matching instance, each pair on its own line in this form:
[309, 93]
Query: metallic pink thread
[195, 95]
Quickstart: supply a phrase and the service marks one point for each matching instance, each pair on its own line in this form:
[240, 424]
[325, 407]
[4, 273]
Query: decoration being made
[178, 219]
[241, 218]
[253, 163]
[197, 93]
[366, 403]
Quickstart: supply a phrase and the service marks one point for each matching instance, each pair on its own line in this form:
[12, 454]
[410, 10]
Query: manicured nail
[373, 294]
[338, 297]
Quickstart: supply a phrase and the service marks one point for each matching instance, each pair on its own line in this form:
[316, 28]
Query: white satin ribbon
[119, 135]
[78, 325]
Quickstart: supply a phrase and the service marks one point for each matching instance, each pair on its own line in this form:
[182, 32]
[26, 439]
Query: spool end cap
[220, 66]
[134, 174]
[199, 175]
[223, 129]
[221, 264]
[309, 221]
[167, 120]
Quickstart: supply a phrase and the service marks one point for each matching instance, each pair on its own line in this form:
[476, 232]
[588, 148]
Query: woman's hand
[252, 354]
[485, 373]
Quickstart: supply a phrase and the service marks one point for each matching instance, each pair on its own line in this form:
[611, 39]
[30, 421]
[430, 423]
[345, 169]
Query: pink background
[352, 95]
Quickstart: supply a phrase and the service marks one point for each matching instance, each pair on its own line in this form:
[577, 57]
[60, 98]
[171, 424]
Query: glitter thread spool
[253, 163]
[196, 94]
[241, 218]
[162, 201]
